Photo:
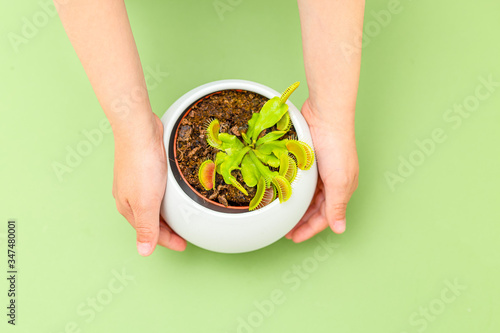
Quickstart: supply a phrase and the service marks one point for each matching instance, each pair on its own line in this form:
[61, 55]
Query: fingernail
[144, 249]
[339, 226]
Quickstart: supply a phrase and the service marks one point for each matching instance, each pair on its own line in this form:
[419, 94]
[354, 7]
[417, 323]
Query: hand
[338, 177]
[140, 178]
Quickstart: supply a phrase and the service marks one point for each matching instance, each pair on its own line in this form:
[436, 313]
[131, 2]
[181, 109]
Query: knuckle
[121, 208]
[340, 207]
[344, 181]
[143, 205]
[340, 181]
[339, 210]
[144, 233]
[141, 210]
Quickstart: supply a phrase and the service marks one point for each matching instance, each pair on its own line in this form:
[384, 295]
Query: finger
[313, 208]
[336, 206]
[318, 198]
[314, 225]
[290, 233]
[310, 212]
[169, 238]
[147, 227]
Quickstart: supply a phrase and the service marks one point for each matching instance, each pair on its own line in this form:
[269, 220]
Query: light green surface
[401, 250]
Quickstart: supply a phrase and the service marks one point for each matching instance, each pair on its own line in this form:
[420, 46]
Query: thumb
[147, 227]
[336, 206]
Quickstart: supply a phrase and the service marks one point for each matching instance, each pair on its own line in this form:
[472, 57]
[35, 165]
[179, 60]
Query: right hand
[338, 171]
[140, 178]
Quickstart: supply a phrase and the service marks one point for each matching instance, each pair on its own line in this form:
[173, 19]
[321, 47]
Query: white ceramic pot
[238, 231]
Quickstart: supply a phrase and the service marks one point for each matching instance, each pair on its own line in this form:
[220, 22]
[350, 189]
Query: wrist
[336, 120]
[137, 128]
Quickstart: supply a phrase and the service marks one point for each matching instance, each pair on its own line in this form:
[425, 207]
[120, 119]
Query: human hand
[140, 178]
[338, 176]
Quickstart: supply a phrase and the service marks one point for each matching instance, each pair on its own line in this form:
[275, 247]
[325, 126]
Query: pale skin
[102, 38]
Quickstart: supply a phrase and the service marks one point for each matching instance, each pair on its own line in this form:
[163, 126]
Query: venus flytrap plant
[265, 162]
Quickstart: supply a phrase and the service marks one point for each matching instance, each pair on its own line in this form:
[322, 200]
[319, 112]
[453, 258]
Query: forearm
[102, 38]
[332, 76]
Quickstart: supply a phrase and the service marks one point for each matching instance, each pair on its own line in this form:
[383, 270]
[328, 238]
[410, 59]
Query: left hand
[338, 169]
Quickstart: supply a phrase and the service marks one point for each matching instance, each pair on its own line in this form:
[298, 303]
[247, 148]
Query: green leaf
[212, 132]
[230, 163]
[206, 174]
[246, 138]
[259, 194]
[272, 112]
[283, 187]
[251, 127]
[288, 92]
[284, 123]
[237, 184]
[284, 165]
[288, 168]
[303, 153]
[249, 171]
[264, 170]
[263, 196]
[275, 147]
[268, 159]
[219, 158]
[310, 155]
[230, 141]
[273, 136]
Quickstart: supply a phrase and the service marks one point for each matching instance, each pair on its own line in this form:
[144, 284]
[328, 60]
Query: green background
[402, 248]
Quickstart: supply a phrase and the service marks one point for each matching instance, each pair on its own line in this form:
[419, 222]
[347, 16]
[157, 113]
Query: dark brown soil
[233, 109]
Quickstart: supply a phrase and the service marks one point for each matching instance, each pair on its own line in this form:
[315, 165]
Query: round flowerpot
[217, 228]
